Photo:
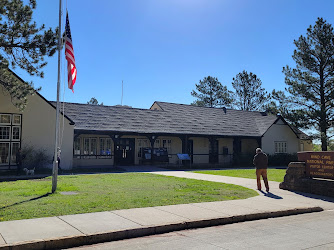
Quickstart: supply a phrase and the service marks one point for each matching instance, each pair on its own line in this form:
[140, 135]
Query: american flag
[69, 54]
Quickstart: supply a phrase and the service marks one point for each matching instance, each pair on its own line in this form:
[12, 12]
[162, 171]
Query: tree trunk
[323, 115]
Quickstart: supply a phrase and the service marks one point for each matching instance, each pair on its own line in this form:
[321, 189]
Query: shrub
[35, 158]
[281, 159]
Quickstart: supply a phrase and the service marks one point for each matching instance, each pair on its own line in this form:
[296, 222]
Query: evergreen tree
[93, 101]
[22, 44]
[249, 94]
[310, 84]
[211, 93]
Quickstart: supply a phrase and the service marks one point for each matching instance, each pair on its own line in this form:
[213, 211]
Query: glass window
[280, 147]
[15, 148]
[167, 143]
[93, 146]
[17, 119]
[86, 146]
[5, 119]
[4, 133]
[4, 153]
[105, 147]
[77, 146]
[157, 143]
[16, 133]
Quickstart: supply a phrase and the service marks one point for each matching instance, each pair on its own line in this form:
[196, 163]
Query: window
[17, 119]
[302, 146]
[167, 144]
[15, 148]
[4, 153]
[16, 133]
[90, 146]
[77, 146]
[5, 119]
[105, 148]
[157, 143]
[10, 137]
[4, 133]
[280, 147]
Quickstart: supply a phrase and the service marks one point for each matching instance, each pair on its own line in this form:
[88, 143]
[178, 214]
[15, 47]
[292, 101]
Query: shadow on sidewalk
[32, 199]
[315, 196]
[271, 195]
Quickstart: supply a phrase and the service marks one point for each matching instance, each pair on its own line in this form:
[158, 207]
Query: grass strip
[27, 199]
[273, 174]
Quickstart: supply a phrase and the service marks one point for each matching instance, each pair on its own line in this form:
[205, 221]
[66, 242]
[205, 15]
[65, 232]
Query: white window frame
[6, 162]
[90, 148]
[10, 119]
[13, 139]
[281, 147]
[76, 151]
[13, 152]
[14, 123]
[9, 134]
[106, 142]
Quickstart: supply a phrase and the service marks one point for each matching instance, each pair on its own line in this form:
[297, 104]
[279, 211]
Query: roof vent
[224, 110]
[263, 113]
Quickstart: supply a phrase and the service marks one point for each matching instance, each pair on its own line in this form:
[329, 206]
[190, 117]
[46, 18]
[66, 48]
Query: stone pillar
[293, 179]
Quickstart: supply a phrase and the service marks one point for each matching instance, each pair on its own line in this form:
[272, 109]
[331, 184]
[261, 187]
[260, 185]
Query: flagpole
[55, 158]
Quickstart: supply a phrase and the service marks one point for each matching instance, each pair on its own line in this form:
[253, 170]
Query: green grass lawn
[273, 174]
[103, 192]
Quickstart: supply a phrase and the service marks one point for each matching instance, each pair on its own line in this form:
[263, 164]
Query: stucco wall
[201, 146]
[38, 127]
[280, 132]
[307, 145]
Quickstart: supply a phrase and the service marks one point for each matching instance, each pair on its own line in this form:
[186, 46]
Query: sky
[161, 48]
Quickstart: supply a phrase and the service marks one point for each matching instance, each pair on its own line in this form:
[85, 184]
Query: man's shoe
[267, 190]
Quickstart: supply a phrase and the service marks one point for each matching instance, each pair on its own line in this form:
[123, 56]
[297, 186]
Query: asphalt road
[306, 231]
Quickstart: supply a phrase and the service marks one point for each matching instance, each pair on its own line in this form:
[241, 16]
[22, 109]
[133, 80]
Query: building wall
[306, 145]
[201, 146]
[38, 128]
[280, 132]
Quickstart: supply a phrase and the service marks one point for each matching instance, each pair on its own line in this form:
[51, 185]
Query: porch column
[184, 140]
[115, 138]
[213, 155]
[152, 139]
[236, 149]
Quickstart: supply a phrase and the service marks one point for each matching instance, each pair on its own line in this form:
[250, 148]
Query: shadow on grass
[21, 202]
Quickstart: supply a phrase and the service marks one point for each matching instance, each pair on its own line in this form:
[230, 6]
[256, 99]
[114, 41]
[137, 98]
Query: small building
[117, 135]
[98, 135]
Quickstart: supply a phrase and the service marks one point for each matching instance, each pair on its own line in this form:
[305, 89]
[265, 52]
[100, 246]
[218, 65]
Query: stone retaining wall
[295, 180]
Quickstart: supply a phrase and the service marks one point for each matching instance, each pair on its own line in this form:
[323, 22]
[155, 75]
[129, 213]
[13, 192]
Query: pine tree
[311, 83]
[249, 94]
[211, 93]
[22, 44]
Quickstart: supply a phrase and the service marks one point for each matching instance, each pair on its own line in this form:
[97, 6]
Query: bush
[35, 158]
[281, 159]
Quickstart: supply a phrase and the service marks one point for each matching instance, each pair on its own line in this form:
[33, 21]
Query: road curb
[88, 239]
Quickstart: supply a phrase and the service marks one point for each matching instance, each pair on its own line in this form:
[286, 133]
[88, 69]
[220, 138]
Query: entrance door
[125, 151]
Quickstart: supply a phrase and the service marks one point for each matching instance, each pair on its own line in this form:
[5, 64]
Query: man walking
[261, 163]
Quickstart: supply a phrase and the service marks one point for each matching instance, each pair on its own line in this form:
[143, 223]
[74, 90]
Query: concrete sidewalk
[81, 229]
